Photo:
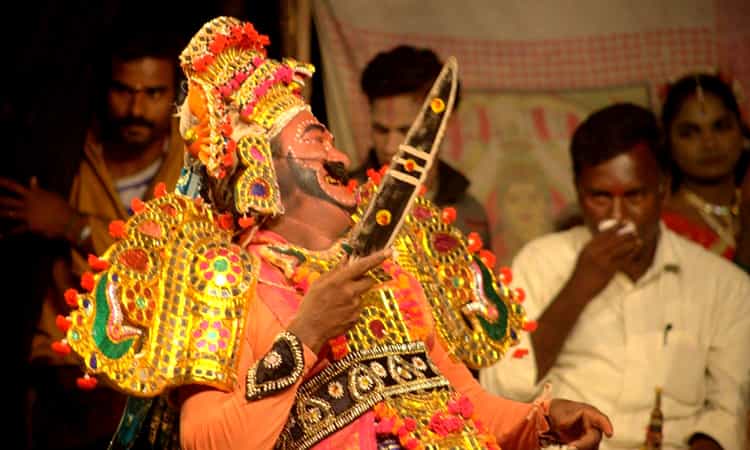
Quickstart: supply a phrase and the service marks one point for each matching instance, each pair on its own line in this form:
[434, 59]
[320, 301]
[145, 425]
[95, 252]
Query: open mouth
[333, 180]
[335, 173]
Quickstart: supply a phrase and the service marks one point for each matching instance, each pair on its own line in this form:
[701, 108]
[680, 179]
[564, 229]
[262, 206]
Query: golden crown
[239, 99]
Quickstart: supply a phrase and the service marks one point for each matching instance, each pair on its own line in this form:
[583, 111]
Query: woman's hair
[682, 90]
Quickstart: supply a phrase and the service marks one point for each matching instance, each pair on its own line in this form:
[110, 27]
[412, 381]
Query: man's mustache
[336, 169]
[134, 121]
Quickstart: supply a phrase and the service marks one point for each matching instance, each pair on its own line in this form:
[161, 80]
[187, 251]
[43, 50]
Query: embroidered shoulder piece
[476, 314]
[280, 368]
[168, 304]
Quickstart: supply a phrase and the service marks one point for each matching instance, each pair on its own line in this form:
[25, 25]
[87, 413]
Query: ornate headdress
[238, 100]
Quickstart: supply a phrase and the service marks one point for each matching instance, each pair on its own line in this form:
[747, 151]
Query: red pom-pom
[351, 186]
[61, 347]
[246, 222]
[225, 129]
[530, 326]
[97, 264]
[63, 323]
[86, 382]
[448, 215]
[505, 275]
[226, 221]
[117, 229]
[373, 175]
[383, 169]
[87, 281]
[412, 444]
[231, 146]
[137, 205]
[474, 241]
[520, 353]
[422, 190]
[519, 295]
[488, 258]
[71, 297]
[160, 190]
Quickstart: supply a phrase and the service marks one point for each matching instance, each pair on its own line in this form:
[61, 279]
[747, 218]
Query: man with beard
[242, 300]
[132, 145]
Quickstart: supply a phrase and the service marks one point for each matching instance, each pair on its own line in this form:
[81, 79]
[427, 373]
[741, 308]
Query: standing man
[396, 83]
[625, 306]
[132, 145]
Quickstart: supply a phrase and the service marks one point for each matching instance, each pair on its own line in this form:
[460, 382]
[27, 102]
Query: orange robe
[211, 419]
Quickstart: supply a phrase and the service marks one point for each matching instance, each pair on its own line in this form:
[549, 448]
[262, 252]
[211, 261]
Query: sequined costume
[191, 305]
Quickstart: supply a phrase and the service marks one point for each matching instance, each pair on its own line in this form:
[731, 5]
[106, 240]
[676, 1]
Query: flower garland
[442, 423]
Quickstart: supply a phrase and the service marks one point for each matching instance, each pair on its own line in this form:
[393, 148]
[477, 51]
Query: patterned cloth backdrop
[531, 71]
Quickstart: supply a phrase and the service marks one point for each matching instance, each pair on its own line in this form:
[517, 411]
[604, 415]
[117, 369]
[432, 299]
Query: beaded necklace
[720, 218]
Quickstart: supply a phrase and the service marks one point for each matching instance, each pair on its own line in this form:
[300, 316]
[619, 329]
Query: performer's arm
[211, 419]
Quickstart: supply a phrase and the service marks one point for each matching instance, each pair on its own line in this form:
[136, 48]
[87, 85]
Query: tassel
[71, 297]
[61, 347]
[448, 215]
[137, 205]
[117, 229]
[87, 281]
[97, 264]
[160, 190]
[63, 323]
[86, 382]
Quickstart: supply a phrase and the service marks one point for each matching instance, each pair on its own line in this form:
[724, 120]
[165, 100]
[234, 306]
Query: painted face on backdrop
[629, 187]
[706, 138]
[140, 100]
[524, 209]
[310, 162]
[391, 118]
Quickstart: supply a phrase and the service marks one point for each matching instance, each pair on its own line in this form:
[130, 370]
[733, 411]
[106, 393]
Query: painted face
[140, 100]
[706, 139]
[525, 209]
[391, 119]
[311, 162]
[628, 187]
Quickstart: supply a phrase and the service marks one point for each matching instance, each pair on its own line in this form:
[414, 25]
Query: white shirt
[136, 185]
[684, 326]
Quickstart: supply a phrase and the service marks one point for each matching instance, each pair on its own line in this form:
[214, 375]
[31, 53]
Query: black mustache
[337, 170]
[134, 121]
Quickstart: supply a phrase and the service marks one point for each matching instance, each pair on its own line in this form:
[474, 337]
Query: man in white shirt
[625, 306]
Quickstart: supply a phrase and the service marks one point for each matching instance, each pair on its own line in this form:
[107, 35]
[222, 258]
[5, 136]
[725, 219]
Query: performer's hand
[577, 424]
[601, 258]
[332, 304]
[35, 209]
